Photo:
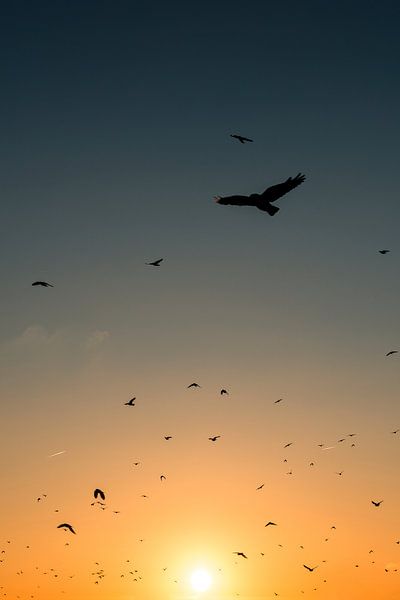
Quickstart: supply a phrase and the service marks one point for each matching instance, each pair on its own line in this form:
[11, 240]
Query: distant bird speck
[155, 263]
[240, 138]
[391, 352]
[66, 526]
[383, 251]
[42, 284]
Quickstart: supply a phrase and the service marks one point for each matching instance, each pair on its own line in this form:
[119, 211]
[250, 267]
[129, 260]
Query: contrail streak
[57, 453]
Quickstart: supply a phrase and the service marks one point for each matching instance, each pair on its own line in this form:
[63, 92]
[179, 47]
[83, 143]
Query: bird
[260, 487]
[263, 201]
[97, 492]
[162, 477]
[240, 138]
[376, 503]
[311, 569]
[269, 523]
[131, 402]
[392, 352]
[42, 283]
[242, 554]
[155, 263]
[214, 438]
[194, 385]
[167, 437]
[66, 526]
[135, 464]
[223, 391]
[287, 445]
[396, 431]
[383, 251]
[279, 400]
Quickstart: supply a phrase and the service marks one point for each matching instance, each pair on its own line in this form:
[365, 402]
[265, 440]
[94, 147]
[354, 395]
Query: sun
[200, 580]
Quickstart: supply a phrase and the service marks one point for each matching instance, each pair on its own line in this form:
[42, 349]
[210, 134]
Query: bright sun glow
[200, 580]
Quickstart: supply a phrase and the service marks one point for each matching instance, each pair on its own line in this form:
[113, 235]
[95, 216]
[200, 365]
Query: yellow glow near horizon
[200, 580]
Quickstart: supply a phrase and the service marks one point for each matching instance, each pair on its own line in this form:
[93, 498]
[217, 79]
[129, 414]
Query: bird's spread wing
[277, 191]
[235, 200]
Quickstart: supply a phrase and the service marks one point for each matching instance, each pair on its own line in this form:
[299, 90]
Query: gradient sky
[115, 138]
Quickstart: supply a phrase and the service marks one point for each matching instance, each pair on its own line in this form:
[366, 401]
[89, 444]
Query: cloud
[96, 338]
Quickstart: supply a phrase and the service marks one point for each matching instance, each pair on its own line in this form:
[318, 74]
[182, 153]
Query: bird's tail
[269, 208]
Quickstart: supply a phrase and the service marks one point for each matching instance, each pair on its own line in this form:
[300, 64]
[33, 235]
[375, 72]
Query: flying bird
[242, 554]
[223, 391]
[131, 402]
[167, 437]
[392, 352]
[162, 477]
[269, 523]
[377, 503]
[42, 283]
[287, 445]
[383, 251]
[240, 138]
[311, 569]
[214, 439]
[263, 201]
[66, 526]
[194, 385]
[155, 263]
[279, 400]
[97, 492]
[260, 487]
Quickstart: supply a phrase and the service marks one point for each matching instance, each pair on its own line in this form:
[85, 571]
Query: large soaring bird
[263, 201]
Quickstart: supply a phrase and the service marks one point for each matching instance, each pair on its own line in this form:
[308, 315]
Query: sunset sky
[115, 137]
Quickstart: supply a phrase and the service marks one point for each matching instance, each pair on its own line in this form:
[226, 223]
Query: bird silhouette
[167, 437]
[260, 487]
[131, 402]
[97, 492]
[223, 391]
[376, 503]
[66, 526]
[287, 445]
[214, 438]
[383, 251]
[269, 523]
[155, 263]
[162, 477]
[194, 385]
[42, 283]
[279, 400]
[392, 352]
[263, 201]
[240, 138]
[242, 554]
[311, 569]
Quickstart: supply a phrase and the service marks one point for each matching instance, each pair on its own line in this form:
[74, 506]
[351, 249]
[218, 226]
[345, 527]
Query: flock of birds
[263, 202]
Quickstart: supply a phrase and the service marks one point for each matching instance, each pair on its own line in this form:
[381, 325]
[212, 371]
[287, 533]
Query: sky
[116, 123]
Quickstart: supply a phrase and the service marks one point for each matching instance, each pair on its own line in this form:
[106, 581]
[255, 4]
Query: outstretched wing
[235, 200]
[277, 191]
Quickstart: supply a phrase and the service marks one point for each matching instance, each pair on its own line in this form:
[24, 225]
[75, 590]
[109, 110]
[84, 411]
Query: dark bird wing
[66, 526]
[392, 352]
[97, 492]
[237, 200]
[277, 191]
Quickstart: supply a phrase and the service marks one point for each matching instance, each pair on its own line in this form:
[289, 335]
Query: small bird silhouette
[167, 437]
[269, 523]
[223, 391]
[97, 492]
[242, 554]
[263, 201]
[131, 402]
[214, 439]
[42, 283]
[194, 385]
[383, 251]
[287, 445]
[260, 487]
[311, 569]
[240, 138]
[392, 352]
[162, 478]
[279, 400]
[155, 263]
[66, 526]
[377, 503]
